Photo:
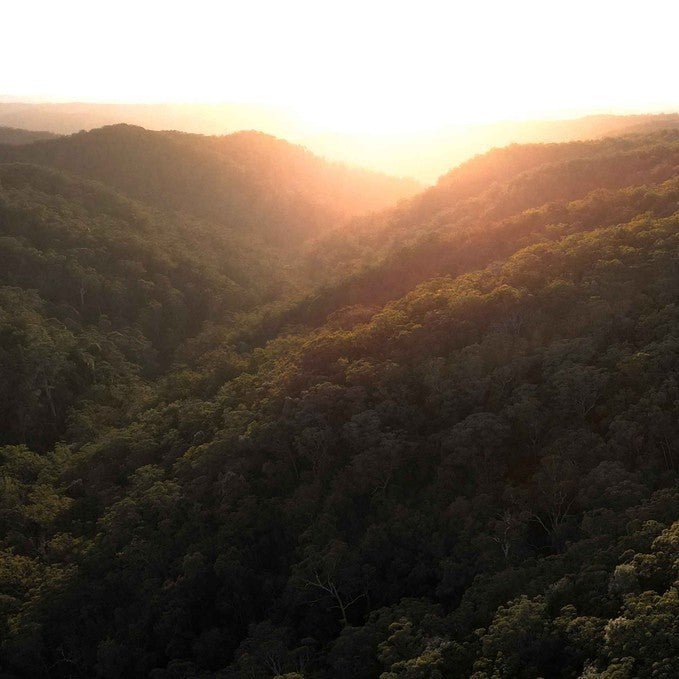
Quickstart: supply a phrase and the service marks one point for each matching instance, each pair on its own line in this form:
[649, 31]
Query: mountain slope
[247, 181]
[485, 209]
[94, 284]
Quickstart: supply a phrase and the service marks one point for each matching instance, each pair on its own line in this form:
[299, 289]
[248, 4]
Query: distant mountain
[428, 155]
[13, 135]
[424, 155]
[246, 181]
[212, 119]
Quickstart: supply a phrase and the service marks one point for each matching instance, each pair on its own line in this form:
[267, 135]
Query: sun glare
[355, 67]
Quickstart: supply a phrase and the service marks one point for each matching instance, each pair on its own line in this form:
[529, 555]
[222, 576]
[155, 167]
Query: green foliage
[468, 472]
[248, 182]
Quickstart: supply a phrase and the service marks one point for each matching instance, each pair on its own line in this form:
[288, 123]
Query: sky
[369, 67]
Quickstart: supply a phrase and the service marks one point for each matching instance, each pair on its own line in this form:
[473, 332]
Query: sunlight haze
[375, 68]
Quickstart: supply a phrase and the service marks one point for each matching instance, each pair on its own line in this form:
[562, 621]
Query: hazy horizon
[405, 89]
[565, 114]
[374, 68]
[423, 155]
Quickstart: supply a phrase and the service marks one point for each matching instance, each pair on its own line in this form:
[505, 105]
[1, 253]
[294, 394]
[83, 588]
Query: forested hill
[12, 135]
[102, 290]
[484, 210]
[97, 293]
[247, 181]
[458, 458]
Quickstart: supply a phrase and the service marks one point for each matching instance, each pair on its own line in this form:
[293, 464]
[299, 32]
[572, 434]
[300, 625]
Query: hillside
[12, 135]
[457, 457]
[247, 182]
[97, 293]
[484, 210]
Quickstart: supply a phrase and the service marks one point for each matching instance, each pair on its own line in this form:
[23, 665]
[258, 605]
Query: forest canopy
[241, 436]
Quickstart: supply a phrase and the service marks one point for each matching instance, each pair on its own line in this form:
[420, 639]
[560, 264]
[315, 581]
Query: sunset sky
[350, 66]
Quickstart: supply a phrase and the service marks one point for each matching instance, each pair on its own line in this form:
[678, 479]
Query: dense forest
[257, 420]
[243, 181]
